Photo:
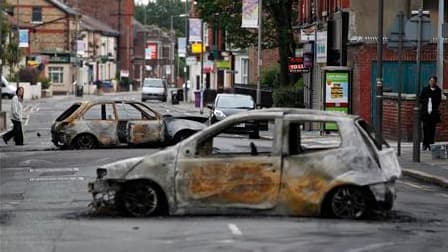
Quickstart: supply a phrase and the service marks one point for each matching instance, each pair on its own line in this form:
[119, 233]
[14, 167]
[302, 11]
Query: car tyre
[84, 142]
[140, 199]
[348, 202]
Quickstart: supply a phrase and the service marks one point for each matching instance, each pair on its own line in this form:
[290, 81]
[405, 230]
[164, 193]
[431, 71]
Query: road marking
[27, 121]
[54, 170]
[234, 229]
[412, 185]
[53, 179]
[372, 247]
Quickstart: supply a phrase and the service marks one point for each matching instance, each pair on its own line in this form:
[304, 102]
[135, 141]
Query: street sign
[223, 64]
[411, 29]
[191, 60]
[393, 38]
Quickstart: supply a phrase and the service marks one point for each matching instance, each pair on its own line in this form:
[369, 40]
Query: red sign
[153, 50]
[296, 65]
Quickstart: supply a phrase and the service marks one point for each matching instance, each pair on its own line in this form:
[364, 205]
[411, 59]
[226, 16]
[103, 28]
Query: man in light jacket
[16, 118]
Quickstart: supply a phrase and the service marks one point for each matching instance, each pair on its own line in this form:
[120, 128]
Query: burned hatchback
[307, 163]
[86, 125]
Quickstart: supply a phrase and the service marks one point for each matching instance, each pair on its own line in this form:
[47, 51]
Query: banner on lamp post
[250, 14]
[195, 30]
[23, 38]
[181, 47]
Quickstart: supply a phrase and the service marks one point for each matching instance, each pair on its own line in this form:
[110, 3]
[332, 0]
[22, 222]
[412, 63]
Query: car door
[231, 171]
[139, 126]
[100, 120]
[314, 159]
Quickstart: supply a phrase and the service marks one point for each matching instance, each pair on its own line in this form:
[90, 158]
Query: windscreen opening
[153, 83]
[68, 112]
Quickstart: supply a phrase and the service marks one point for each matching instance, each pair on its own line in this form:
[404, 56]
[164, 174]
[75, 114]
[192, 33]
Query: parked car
[86, 125]
[229, 104]
[8, 90]
[338, 172]
[154, 89]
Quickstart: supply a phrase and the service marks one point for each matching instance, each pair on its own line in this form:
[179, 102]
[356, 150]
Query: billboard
[182, 47]
[151, 51]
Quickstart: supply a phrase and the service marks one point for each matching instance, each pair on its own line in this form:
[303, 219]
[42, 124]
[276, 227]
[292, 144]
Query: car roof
[298, 111]
[111, 101]
[233, 95]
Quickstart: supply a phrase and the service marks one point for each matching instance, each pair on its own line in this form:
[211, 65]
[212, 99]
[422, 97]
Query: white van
[154, 89]
[8, 90]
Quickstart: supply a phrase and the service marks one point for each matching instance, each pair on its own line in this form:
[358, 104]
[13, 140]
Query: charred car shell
[86, 125]
[186, 179]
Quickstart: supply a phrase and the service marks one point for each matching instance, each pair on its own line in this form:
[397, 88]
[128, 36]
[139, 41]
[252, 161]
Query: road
[44, 207]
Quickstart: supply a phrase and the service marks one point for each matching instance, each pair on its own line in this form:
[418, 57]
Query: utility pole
[260, 29]
[172, 37]
[18, 40]
[186, 53]
[201, 106]
[1, 51]
[417, 124]
[440, 49]
[379, 78]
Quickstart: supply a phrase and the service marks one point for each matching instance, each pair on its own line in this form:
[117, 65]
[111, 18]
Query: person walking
[16, 118]
[431, 96]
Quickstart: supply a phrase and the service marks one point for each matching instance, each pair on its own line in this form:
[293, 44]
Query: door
[141, 127]
[101, 121]
[231, 171]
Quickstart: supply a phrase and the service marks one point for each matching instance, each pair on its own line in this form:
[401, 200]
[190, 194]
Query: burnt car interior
[68, 112]
[309, 136]
[216, 144]
[130, 112]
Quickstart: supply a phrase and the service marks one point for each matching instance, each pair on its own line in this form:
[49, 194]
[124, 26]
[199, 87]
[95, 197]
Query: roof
[89, 23]
[65, 8]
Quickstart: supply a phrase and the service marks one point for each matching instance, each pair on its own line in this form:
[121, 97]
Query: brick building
[52, 29]
[351, 41]
[119, 15]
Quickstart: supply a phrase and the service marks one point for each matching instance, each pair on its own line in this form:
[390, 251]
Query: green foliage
[289, 96]
[45, 82]
[159, 13]
[270, 77]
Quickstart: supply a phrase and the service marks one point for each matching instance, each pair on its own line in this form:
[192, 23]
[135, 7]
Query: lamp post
[379, 78]
[17, 50]
[1, 51]
[260, 21]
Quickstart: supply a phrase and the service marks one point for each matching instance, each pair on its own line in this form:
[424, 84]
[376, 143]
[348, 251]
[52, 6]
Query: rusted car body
[86, 125]
[347, 180]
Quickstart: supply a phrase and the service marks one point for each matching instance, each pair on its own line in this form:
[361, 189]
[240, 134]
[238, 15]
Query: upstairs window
[36, 16]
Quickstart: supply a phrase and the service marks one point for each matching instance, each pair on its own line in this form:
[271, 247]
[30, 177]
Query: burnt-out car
[86, 125]
[307, 163]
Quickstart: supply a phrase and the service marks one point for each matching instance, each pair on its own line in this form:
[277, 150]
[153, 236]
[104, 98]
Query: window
[36, 16]
[317, 138]
[242, 138]
[244, 71]
[129, 112]
[100, 112]
[56, 74]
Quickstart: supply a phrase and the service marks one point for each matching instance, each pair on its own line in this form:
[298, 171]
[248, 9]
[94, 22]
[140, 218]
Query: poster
[181, 47]
[337, 94]
[195, 30]
[250, 14]
[151, 51]
[23, 38]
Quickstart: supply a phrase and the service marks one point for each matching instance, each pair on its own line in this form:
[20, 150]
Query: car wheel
[84, 142]
[348, 202]
[140, 199]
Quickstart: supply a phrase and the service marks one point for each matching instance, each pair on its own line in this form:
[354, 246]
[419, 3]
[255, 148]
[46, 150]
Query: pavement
[429, 170]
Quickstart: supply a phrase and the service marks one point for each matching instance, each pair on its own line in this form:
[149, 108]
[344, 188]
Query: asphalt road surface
[44, 207]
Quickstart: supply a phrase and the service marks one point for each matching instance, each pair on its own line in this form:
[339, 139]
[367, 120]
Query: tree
[159, 13]
[278, 18]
